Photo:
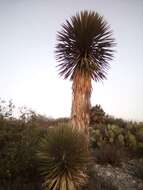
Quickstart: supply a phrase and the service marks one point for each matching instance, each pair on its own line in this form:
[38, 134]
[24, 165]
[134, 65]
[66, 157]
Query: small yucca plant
[63, 156]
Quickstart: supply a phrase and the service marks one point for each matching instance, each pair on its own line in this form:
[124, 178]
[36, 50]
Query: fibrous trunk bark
[81, 92]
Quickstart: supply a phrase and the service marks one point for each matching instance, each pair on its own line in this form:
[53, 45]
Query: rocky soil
[124, 177]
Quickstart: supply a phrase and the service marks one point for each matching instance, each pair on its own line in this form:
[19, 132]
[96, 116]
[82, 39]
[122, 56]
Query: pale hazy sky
[28, 73]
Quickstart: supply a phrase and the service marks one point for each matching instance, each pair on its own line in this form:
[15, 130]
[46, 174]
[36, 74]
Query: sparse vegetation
[109, 154]
[19, 140]
[18, 143]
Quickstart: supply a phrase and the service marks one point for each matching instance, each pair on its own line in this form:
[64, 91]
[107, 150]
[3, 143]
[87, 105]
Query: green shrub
[139, 134]
[63, 158]
[107, 134]
[129, 138]
[121, 140]
[97, 115]
[18, 144]
[108, 154]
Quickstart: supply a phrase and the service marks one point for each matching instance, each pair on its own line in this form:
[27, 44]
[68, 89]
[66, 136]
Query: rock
[121, 178]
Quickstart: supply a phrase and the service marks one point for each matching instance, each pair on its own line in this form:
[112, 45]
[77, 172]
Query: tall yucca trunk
[81, 90]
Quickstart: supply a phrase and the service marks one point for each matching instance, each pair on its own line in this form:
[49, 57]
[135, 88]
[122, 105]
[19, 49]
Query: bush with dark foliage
[108, 154]
[18, 144]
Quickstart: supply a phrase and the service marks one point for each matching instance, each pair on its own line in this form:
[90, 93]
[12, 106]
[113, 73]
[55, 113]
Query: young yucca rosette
[63, 157]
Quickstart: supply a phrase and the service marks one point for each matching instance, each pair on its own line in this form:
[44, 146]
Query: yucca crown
[85, 46]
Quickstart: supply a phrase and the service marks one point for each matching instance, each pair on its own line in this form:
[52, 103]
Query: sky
[28, 73]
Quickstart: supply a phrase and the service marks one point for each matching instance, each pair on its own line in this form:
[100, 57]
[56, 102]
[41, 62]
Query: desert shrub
[139, 134]
[134, 139]
[107, 134]
[97, 115]
[108, 154]
[129, 137]
[63, 158]
[136, 168]
[18, 143]
[138, 171]
[138, 151]
[20, 183]
[131, 141]
[45, 122]
[106, 129]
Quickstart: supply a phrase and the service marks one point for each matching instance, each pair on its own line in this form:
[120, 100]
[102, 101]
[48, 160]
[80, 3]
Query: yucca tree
[84, 49]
